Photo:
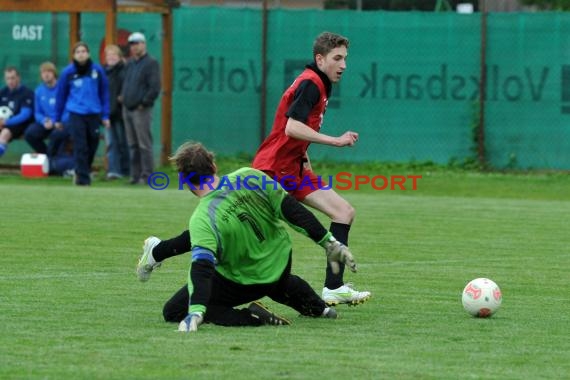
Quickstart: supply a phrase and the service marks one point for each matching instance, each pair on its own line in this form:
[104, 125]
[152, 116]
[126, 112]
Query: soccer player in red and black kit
[297, 124]
[283, 156]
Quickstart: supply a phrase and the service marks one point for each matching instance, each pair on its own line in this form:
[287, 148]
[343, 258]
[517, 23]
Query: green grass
[73, 309]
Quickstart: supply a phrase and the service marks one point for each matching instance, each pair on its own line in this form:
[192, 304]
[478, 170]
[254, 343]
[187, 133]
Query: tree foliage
[395, 5]
[557, 5]
[431, 5]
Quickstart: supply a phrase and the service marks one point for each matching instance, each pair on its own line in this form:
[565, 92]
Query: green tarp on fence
[411, 88]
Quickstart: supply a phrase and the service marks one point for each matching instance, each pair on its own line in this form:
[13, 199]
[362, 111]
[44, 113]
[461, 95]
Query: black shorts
[289, 290]
[17, 130]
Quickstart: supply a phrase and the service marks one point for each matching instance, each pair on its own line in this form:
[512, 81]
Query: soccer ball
[481, 298]
[5, 112]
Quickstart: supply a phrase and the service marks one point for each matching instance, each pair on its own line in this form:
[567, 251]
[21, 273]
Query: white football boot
[147, 263]
[345, 294]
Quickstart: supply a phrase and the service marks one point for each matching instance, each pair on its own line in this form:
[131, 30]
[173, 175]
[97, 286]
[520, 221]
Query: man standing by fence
[140, 90]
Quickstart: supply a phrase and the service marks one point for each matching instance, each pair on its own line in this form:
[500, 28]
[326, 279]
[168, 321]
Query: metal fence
[412, 88]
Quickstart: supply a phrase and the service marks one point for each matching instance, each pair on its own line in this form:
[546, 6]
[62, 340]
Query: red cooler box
[34, 165]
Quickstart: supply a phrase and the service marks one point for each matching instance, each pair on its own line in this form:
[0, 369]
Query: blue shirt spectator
[20, 101]
[83, 90]
[44, 104]
[44, 113]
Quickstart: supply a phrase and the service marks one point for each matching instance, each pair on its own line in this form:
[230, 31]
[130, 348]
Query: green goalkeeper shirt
[240, 223]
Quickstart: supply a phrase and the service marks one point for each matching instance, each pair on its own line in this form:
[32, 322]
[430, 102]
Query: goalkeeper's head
[194, 161]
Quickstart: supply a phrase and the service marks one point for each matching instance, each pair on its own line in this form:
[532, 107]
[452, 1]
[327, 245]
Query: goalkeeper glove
[191, 322]
[338, 253]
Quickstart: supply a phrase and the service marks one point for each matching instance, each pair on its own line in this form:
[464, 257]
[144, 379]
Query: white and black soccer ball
[5, 112]
[481, 297]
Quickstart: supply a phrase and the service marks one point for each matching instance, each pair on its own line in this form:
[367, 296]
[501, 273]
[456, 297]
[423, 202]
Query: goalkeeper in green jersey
[241, 251]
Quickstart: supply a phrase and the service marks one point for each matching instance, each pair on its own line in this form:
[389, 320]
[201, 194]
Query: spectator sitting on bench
[18, 102]
[44, 114]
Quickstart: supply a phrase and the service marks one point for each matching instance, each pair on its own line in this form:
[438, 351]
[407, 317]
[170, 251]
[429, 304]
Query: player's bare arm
[302, 131]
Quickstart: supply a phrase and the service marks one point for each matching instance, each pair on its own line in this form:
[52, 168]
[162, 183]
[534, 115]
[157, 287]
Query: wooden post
[482, 87]
[57, 5]
[167, 67]
[111, 25]
[74, 31]
[263, 100]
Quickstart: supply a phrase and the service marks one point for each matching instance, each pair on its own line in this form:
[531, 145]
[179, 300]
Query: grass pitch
[72, 307]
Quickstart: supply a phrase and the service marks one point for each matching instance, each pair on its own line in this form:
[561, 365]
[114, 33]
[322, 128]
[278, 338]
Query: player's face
[48, 77]
[12, 79]
[81, 54]
[111, 58]
[137, 48]
[333, 64]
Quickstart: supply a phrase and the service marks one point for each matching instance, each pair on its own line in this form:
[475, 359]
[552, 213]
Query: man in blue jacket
[17, 103]
[44, 114]
[83, 91]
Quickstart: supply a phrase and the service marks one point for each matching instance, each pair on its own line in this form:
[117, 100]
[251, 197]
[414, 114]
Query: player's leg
[93, 123]
[58, 139]
[296, 293]
[35, 135]
[176, 308]
[5, 137]
[172, 247]
[293, 291]
[133, 142]
[142, 120]
[123, 147]
[218, 312]
[61, 165]
[341, 214]
[79, 127]
[112, 152]
[156, 250]
[226, 295]
[9, 133]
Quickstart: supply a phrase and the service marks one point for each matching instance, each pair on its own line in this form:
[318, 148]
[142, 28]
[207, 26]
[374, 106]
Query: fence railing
[413, 88]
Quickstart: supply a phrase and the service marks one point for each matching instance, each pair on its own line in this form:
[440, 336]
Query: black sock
[340, 232]
[172, 247]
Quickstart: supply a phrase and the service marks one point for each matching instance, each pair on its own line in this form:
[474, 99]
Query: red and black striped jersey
[305, 101]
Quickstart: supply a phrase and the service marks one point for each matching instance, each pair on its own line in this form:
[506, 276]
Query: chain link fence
[412, 88]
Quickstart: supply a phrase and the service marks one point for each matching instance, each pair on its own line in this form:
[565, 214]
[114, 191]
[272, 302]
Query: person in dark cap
[141, 87]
